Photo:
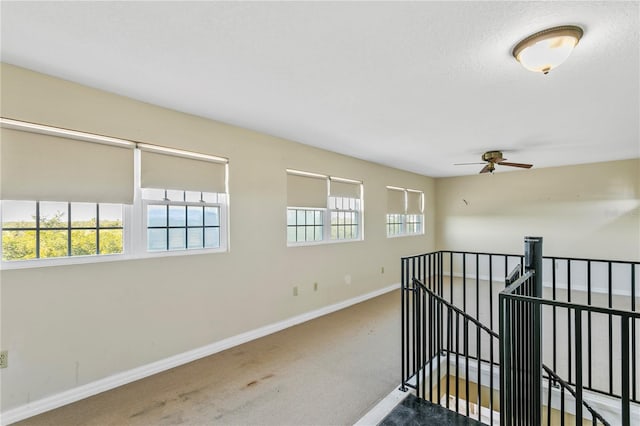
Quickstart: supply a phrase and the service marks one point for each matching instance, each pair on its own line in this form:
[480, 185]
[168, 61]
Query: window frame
[404, 217]
[70, 259]
[134, 230]
[222, 227]
[327, 212]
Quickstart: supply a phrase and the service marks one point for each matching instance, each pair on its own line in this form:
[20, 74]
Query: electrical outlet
[315, 286]
[295, 290]
[4, 359]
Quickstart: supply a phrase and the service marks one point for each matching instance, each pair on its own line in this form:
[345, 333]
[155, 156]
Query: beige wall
[65, 326]
[590, 210]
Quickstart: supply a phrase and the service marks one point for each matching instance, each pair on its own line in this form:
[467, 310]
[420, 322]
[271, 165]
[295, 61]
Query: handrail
[567, 386]
[582, 259]
[457, 310]
[575, 306]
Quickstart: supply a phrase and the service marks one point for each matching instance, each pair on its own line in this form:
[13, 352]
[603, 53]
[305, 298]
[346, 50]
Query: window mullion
[37, 229]
[69, 229]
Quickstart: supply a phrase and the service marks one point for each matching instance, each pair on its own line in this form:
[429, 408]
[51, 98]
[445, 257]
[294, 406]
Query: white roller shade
[306, 191]
[51, 168]
[414, 202]
[168, 171]
[395, 201]
[340, 188]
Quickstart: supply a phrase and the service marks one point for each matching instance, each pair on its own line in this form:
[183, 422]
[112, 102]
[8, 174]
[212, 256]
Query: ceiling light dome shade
[545, 50]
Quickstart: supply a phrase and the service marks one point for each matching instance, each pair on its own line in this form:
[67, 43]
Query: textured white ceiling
[413, 85]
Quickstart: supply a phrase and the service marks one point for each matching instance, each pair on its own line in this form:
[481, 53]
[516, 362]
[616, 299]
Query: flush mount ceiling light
[545, 50]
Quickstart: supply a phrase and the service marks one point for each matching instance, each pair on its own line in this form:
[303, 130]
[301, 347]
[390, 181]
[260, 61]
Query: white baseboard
[72, 395]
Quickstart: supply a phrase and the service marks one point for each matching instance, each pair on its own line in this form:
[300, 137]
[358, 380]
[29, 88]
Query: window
[404, 212]
[315, 200]
[100, 197]
[344, 218]
[182, 220]
[305, 225]
[41, 229]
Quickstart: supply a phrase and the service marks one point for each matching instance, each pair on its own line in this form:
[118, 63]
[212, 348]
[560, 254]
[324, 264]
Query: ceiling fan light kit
[547, 49]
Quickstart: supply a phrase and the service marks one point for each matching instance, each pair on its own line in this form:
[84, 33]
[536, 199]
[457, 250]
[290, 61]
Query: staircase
[522, 339]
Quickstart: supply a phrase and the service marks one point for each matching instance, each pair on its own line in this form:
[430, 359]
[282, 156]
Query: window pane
[334, 218]
[318, 214]
[195, 216]
[156, 239]
[212, 197]
[110, 215]
[18, 214]
[332, 202]
[83, 215]
[310, 233]
[291, 234]
[53, 215]
[177, 216]
[212, 237]
[301, 233]
[211, 216]
[18, 245]
[53, 244]
[195, 237]
[291, 217]
[301, 217]
[192, 196]
[175, 195]
[156, 216]
[310, 217]
[111, 241]
[83, 243]
[152, 194]
[177, 238]
[318, 233]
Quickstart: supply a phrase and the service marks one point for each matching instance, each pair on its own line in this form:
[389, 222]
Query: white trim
[43, 129]
[382, 408]
[306, 174]
[75, 394]
[181, 153]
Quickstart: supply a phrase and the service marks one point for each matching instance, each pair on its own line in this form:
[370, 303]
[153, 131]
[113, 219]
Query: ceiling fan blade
[521, 165]
[487, 168]
[466, 164]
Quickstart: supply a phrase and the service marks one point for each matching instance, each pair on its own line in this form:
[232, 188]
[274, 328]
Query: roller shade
[414, 202]
[51, 168]
[395, 201]
[167, 171]
[340, 188]
[306, 191]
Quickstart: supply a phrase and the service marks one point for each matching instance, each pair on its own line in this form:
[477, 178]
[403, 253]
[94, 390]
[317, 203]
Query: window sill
[406, 235]
[323, 243]
[84, 260]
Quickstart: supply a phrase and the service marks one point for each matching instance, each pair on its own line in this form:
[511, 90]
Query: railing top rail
[567, 386]
[571, 305]
[582, 259]
[514, 274]
[455, 309]
[517, 283]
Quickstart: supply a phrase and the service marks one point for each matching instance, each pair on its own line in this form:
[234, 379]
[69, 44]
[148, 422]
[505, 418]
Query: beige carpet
[329, 371]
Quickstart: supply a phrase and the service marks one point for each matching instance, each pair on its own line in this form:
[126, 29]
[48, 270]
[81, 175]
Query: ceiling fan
[495, 157]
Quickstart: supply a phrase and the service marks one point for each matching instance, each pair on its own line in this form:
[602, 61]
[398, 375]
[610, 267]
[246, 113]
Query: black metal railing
[555, 382]
[459, 291]
[623, 378]
[448, 358]
[520, 376]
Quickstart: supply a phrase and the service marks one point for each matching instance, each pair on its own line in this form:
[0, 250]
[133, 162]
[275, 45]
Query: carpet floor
[328, 371]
